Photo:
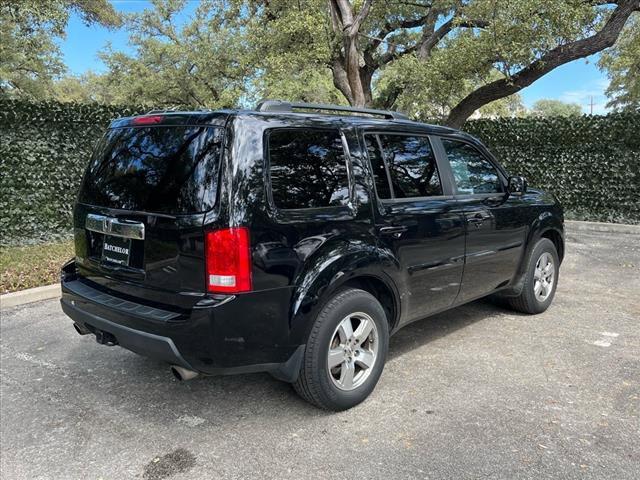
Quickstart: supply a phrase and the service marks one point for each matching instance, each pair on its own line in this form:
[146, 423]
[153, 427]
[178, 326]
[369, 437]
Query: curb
[577, 226]
[30, 295]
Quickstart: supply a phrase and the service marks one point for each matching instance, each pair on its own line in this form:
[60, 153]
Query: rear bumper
[143, 343]
[235, 335]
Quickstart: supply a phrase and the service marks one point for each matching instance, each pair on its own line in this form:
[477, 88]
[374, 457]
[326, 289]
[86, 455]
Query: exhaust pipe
[183, 374]
[81, 330]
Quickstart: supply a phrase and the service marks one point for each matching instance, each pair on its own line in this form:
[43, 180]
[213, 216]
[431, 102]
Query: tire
[329, 388]
[529, 300]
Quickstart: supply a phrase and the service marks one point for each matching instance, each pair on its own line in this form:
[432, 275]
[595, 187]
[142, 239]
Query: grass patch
[32, 266]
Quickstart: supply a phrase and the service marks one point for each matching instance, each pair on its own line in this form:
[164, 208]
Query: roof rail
[283, 106]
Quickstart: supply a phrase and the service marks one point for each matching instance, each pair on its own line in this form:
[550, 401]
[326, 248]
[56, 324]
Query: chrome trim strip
[115, 227]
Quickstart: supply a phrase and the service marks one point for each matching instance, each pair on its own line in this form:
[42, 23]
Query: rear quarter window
[307, 168]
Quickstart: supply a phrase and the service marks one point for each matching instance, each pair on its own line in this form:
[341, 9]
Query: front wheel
[541, 279]
[345, 352]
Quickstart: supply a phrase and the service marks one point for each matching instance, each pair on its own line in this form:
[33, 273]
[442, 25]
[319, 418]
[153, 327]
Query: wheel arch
[544, 227]
[322, 281]
[556, 237]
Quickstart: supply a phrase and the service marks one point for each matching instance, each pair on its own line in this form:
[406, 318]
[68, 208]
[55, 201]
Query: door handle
[478, 218]
[395, 231]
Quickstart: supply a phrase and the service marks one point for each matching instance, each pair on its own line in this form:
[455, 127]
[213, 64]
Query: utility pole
[591, 106]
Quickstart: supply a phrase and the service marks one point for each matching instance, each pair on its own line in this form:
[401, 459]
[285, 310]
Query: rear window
[308, 168]
[154, 169]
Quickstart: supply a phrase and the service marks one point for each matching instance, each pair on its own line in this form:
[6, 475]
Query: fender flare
[541, 225]
[324, 277]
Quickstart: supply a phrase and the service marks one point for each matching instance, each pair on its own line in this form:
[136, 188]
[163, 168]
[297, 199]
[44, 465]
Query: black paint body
[300, 257]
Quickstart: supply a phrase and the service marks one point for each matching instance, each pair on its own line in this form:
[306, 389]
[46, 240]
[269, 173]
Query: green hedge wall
[591, 163]
[44, 148]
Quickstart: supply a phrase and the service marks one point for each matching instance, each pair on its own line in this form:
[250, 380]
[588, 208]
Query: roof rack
[283, 106]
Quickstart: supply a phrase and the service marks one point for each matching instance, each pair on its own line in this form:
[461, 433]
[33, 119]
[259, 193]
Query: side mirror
[517, 185]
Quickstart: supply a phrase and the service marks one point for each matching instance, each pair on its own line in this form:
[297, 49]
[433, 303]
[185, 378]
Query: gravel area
[477, 392]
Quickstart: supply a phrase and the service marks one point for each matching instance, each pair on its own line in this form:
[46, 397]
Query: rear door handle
[395, 231]
[478, 218]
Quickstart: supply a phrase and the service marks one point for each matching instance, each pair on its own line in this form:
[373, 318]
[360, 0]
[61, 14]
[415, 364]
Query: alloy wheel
[353, 351]
[544, 277]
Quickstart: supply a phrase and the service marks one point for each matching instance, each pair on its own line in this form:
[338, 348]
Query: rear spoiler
[173, 118]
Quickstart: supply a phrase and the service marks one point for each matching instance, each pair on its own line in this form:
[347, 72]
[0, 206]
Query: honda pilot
[295, 239]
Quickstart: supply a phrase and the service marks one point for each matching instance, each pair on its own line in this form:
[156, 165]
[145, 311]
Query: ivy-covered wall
[591, 163]
[44, 148]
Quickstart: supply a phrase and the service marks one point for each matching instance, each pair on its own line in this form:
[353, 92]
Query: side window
[308, 168]
[377, 164]
[412, 166]
[472, 172]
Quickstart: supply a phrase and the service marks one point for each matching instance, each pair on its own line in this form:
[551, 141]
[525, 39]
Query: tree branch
[362, 15]
[429, 42]
[389, 28]
[560, 55]
[393, 54]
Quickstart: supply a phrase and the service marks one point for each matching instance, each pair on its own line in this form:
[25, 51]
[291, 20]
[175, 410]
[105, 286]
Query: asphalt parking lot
[477, 392]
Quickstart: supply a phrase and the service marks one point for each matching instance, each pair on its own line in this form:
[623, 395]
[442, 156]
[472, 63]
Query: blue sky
[577, 82]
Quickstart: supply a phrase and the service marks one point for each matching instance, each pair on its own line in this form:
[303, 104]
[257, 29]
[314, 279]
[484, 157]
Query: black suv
[294, 239]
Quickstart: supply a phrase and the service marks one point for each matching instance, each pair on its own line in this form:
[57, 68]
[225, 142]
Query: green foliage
[622, 64]
[202, 63]
[428, 90]
[290, 48]
[44, 150]
[84, 88]
[30, 58]
[555, 108]
[422, 57]
[592, 163]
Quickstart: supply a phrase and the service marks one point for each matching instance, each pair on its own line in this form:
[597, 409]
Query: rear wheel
[541, 279]
[345, 352]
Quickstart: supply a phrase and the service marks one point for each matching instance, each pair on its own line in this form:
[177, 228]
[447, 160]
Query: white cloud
[593, 91]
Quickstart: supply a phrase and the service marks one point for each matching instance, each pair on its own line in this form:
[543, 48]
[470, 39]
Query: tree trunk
[349, 77]
[352, 67]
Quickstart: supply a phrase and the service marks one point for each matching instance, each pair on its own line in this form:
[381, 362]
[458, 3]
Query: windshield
[154, 169]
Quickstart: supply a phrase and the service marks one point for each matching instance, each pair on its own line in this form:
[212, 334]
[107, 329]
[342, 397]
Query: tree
[199, 63]
[29, 57]
[510, 106]
[427, 93]
[622, 64]
[86, 88]
[436, 59]
[555, 108]
[451, 42]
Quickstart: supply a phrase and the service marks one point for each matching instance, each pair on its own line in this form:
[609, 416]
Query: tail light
[147, 120]
[228, 260]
